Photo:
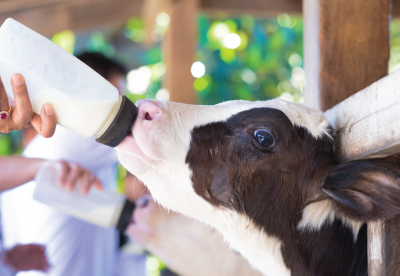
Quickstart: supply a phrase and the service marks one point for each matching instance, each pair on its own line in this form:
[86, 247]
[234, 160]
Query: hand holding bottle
[69, 174]
[17, 114]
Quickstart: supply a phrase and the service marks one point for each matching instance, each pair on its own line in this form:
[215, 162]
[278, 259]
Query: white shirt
[73, 247]
[4, 270]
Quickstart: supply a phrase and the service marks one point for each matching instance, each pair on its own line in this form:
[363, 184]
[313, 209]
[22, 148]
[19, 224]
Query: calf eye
[264, 138]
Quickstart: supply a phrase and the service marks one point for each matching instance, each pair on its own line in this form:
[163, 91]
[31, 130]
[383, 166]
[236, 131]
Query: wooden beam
[49, 18]
[15, 5]
[366, 124]
[86, 14]
[8, 8]
[180, 49]
[256, 7]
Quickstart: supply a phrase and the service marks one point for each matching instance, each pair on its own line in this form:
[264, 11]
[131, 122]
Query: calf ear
[365, 190]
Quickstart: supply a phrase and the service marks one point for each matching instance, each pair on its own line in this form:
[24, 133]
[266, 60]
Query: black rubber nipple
[121, 125]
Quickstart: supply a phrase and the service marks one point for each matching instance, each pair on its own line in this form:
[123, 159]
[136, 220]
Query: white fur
[166, 142]
[316, 214]
[261, 250]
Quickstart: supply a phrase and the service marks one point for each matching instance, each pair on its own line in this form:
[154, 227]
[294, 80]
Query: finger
[22, 112]
[63, 171]
[97, 184]
[74, 173]
[85, 185]
[4, 105]
[46, 123]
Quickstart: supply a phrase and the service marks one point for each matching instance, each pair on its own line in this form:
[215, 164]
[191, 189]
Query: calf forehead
[311, 119]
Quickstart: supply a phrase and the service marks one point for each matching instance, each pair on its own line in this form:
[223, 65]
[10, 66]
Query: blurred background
[195, 52]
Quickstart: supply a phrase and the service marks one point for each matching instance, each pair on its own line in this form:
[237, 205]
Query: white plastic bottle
[102, 208]
[83, 101]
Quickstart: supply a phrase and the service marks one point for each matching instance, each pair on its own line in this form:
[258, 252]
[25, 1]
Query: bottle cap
[125, 216]
[121, 125]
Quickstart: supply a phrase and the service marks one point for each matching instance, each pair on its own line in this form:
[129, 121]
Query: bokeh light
[284, 20]
[152, 263]
[163, 94]
[134, 29]
[295, 60]
[248, 76]
[66, 40]
[158, 71]
[286, 96]
[139, 80]
[201, 84]
[198, 69]
[220, 30]
[163, 19]
[227, 55]
[232, 41]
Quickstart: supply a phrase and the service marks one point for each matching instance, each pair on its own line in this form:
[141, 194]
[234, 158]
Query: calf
[264, 175]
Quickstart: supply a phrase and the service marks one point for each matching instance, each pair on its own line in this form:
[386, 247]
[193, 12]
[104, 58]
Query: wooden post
[352, 53]
[180, 49]
[353, 48]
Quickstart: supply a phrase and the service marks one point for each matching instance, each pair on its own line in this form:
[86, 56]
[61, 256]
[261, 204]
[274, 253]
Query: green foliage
[134, 29]
[250, 71]
[66, 40]
[98, 43]
[121, 174]
[394, 62]
[10, 143]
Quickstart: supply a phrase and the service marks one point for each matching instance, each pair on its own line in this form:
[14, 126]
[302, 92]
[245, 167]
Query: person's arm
[16, 171]
[21, 115]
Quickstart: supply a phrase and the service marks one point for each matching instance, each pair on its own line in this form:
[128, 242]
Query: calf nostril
[147, 116]
[148, 111]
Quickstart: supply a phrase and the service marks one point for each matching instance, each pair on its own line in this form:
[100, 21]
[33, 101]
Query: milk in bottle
[83, 101]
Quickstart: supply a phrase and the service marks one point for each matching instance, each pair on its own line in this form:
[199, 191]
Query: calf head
[263, 173]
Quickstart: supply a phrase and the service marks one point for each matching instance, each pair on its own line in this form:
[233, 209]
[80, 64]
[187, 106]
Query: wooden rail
[367, 124]
[51, 16]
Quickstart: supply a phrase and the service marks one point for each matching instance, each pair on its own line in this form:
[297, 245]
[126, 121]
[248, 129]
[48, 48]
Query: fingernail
[49, 110]
[17, 79]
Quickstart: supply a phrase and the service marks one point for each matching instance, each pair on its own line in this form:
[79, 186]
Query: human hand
[21, 115]
[69, 174]
[26, 257]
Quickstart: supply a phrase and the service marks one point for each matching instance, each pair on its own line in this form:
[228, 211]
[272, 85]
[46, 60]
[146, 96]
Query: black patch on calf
[272, 186]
